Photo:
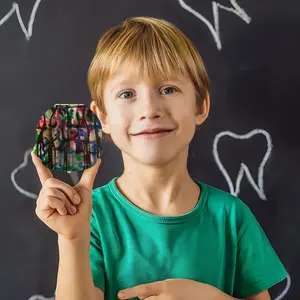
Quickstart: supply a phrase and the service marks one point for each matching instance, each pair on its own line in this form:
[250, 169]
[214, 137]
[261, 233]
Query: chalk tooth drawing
[244, 170]
[215, 29]
[16, 9]
[74, 176]
[16, 170]
[284, 292]
[40, 297]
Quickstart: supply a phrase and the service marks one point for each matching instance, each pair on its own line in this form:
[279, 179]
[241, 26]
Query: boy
[154, 232]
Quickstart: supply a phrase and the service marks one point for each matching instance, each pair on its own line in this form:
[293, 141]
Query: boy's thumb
[43, 172]
[89, 175]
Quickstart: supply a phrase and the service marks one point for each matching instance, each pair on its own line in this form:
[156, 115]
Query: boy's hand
[57, 200]
[174, 289]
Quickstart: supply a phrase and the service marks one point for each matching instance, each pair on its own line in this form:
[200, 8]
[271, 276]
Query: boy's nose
[151, 107]
[151, 111]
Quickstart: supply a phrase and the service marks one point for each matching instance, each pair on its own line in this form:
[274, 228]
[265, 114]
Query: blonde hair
[158, 49]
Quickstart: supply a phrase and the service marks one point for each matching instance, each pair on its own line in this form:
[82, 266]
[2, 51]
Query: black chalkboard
[249, 145]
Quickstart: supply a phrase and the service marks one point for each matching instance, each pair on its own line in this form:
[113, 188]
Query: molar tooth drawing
[40, 297]
[16, 170]
[215, 29]
[16, 9]
[285, 291]
[74, 176]
[244, 170]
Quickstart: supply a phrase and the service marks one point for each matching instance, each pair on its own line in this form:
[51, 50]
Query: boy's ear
[202, 111]
[101, 116]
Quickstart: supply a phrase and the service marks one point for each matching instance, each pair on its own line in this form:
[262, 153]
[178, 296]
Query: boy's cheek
[186, 121]
[119, 134]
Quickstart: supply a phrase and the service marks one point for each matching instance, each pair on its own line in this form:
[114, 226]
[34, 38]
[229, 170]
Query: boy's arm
[74, 280]
[100, 294]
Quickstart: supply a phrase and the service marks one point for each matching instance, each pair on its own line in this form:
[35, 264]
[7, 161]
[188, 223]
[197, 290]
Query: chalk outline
[74, 176]
[16, 170]
[15, 8]
[40, 297]
[288, 285]
[243, 167]
[215, 30]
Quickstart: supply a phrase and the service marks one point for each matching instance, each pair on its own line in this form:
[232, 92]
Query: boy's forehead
[134, 73]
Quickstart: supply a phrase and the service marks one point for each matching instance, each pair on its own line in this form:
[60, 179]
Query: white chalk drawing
[40, 297]
[16, 9]
[16, 170]
[215, 29]
[284, 292]
[259, 187]
[244, 170]
[74, 176]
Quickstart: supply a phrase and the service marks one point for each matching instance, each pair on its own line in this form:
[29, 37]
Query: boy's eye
[127, 95]
[166, 91]
[169, 90]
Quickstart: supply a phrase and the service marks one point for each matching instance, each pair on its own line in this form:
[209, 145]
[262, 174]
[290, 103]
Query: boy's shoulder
[220, 198]
[104, 202]
[99, 191]
[223, 205]
[103, 194]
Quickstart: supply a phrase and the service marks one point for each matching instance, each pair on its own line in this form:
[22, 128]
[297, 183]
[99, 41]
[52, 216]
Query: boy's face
[135, 108]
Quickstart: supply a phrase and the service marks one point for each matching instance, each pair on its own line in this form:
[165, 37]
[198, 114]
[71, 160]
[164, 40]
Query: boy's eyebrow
[126, 81]
[117, 83]
[177, 80]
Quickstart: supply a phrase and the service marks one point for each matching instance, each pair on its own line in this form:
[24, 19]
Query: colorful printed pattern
[68, 138]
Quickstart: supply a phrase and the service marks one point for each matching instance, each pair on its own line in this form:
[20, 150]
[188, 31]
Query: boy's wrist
[83, 239]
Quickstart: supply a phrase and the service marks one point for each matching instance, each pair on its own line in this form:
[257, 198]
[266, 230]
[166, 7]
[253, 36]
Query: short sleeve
[96, 255]
[258, 267]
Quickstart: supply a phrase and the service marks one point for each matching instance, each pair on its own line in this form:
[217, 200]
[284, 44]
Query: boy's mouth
[153, 132]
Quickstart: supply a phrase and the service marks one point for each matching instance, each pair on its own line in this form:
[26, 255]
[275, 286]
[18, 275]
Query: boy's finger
[142, 291]
[43, 172]
[89, 175]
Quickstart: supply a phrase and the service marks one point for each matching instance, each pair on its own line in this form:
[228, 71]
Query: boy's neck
[165, 190]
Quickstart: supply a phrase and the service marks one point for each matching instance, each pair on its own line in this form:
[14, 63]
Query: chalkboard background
[253, 63]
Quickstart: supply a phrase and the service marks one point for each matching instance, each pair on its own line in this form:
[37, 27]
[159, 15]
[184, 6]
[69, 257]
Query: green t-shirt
[219, 242]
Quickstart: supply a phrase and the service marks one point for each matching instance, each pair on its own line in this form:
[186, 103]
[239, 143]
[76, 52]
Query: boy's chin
[157, 159]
